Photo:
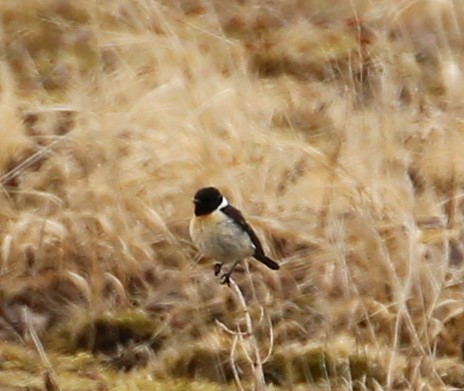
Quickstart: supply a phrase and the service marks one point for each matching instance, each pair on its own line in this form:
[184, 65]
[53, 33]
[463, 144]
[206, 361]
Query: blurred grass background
[336, 127]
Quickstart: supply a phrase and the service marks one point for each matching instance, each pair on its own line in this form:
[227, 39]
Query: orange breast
[218, 237]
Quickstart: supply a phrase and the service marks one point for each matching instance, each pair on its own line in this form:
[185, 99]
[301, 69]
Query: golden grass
[338, 130]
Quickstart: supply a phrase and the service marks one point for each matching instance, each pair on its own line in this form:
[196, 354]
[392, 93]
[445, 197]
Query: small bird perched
[221, 232]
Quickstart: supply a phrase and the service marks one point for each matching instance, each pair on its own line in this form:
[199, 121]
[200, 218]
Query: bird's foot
[225, 279]
[217, 268]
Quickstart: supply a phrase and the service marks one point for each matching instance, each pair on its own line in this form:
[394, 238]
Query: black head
[207, 200]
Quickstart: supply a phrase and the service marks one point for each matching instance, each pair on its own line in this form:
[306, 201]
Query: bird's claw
[217, 268]
[225, 279]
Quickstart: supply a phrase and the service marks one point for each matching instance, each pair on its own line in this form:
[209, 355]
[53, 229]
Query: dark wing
[236, 216]
[238, 219]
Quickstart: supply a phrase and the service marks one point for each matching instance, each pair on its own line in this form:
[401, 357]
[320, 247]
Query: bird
[220, 231]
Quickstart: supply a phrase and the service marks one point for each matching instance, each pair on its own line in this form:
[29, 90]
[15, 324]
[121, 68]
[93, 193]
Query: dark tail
[267, 261]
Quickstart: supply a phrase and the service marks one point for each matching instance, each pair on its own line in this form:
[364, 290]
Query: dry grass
[338, 130]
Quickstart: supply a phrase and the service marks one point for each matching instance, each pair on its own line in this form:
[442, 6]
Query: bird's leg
[225, 278]
[217, 268]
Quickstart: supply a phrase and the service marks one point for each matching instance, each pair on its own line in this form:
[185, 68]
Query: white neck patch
[223, 203]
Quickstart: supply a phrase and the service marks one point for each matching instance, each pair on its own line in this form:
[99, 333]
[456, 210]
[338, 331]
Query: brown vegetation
[337, 130]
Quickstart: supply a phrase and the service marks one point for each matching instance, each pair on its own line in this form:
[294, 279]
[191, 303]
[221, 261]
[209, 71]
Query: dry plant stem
[255, 358]
[328, 193]
[232, 361]
[30, 161]
[49, 376]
